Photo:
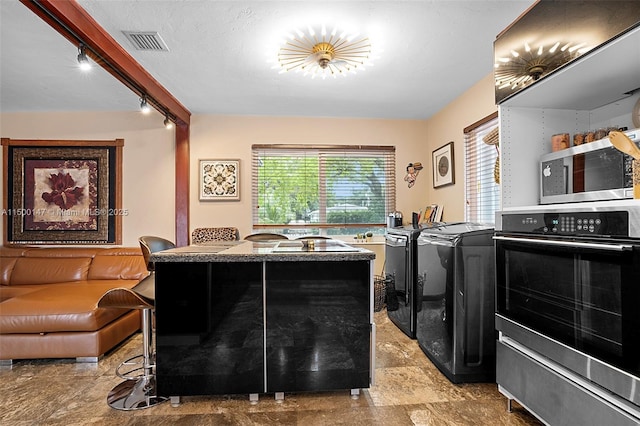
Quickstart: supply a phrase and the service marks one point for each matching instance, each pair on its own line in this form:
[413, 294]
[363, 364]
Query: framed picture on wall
[63, 192]
[219, 180]
[443, 166]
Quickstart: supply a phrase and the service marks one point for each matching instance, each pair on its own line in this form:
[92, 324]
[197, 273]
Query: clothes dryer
[455, 304]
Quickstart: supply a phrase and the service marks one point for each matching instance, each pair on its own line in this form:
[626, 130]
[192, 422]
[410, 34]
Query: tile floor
[409, 390]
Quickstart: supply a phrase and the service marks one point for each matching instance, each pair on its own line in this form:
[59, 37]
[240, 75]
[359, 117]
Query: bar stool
[138, 390]
[265, 236]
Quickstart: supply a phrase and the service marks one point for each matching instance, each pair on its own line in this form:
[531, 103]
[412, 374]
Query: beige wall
[148, 160]
[231, 137]
[149, 171]
[446, 126]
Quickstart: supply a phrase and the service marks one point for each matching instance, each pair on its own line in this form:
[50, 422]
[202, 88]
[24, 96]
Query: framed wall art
[62, 192]
[219, 180]
[443, 166]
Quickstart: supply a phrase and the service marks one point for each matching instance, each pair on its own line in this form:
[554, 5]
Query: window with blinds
[482, 172]
[330, 187]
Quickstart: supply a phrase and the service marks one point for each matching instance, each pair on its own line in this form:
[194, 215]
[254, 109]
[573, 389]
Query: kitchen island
[264, 317]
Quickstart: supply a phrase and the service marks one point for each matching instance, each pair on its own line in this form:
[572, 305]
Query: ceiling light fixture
[523, 68]
[168, 124]
[324, 54]
[83, 61]
[144, 106]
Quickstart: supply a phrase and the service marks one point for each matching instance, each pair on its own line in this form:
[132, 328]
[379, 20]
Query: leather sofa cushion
[62, 252]
[46, 270]
[9, 291]
[6, 267]
[8, 257]
[113, 264]
[70, 306]
[23, 266]
[12, 251]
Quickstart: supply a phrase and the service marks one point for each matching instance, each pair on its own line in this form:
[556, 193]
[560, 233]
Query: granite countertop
[265, 251]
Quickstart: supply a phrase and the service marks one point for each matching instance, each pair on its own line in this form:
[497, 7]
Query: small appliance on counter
[394, 219]
[455, 300]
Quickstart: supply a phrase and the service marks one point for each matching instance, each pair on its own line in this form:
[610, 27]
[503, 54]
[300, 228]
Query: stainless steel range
[568, 311]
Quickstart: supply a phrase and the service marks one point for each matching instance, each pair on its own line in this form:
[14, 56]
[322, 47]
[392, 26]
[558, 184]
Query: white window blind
[482, 188]
[322, 187]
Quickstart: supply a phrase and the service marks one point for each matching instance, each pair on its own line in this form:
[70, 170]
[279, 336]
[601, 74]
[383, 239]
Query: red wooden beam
[182, 185]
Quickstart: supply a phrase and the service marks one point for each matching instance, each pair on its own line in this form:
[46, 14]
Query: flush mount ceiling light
[522, 68]
[83, 61]
[319, 53]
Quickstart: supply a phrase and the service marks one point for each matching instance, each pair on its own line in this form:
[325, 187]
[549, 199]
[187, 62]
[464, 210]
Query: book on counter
[433, 213]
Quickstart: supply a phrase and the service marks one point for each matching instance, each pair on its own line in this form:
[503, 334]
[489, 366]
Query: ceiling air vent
[146, 40]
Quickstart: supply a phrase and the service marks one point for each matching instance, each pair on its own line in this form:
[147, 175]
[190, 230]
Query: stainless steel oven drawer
[553, 397]
[616, 381]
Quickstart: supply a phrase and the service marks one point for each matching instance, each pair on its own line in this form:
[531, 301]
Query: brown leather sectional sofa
[49, 297]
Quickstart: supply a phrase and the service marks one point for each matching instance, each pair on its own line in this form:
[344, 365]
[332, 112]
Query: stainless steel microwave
[594, 171]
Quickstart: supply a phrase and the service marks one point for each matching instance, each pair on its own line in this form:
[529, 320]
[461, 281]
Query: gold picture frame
[443, 166]
[219, 180]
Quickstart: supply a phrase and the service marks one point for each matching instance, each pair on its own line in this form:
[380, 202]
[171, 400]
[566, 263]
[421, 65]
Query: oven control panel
[597, 224]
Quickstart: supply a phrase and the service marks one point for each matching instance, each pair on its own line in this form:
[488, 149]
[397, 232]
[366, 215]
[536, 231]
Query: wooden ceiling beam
[77, 26]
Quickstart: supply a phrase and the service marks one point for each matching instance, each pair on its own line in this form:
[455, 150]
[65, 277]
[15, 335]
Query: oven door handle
[575, 244]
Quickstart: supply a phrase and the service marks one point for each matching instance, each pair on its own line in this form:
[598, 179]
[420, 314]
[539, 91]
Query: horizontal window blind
[322, 186]
[482, 188]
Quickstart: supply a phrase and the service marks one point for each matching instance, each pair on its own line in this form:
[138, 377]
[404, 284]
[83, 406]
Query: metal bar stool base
[135, 394]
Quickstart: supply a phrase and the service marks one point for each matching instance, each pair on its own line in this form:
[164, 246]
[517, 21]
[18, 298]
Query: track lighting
[167, 123]
[83, 61]
[144, 106]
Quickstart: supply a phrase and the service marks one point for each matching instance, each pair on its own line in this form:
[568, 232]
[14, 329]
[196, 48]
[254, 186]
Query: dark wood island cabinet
[250, 318]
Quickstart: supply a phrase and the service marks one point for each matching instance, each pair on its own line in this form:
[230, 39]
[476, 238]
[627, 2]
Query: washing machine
[455, 302]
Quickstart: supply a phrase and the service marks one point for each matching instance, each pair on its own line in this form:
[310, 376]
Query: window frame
[479, 170]
[385, 152]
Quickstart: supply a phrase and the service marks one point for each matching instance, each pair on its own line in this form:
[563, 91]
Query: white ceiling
[432, 51]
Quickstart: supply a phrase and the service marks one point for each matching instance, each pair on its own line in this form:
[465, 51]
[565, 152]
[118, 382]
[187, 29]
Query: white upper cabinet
[597, 88]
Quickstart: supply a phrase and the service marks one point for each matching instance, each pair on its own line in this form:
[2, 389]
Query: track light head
[144, 106]
[83, 61]
[167, 123]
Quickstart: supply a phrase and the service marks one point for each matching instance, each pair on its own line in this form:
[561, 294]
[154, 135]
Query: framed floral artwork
[219, 180]
[62, 192]
[443, 166]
